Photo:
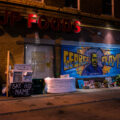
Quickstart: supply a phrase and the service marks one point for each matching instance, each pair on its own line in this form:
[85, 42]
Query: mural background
[78, 62]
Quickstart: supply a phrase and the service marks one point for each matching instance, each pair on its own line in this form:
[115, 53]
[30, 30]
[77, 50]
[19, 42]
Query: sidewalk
[80, 91]
[98, 89]
[47, 101]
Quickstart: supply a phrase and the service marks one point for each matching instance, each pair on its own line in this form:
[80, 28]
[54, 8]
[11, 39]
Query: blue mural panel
[90, 61]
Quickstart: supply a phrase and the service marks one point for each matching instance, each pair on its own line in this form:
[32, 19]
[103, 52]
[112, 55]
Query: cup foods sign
[43, 22]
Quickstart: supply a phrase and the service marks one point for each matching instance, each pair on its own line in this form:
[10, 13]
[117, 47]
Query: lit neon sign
[56, 24]
[13, 16]
[43, 22]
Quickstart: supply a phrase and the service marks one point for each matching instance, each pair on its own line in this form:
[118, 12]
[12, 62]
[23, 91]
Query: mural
[87, 61]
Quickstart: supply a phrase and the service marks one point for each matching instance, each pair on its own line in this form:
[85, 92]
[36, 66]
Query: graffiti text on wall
[90, 61]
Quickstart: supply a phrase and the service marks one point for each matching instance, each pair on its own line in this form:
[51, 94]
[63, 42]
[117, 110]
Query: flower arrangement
[105, 82]
[117, 80]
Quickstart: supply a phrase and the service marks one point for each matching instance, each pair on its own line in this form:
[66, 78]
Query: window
[107, 7]
[71, 3]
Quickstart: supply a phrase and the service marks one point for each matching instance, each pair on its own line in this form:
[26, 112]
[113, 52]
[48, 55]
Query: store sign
[43, 22]
[56, 24]
[86, 62]
[11, 18]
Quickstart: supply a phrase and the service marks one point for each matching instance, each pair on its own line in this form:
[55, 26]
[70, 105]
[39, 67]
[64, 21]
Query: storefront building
[58, 41]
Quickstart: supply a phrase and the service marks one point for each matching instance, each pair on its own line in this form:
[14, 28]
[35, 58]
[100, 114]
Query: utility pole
[7, 71]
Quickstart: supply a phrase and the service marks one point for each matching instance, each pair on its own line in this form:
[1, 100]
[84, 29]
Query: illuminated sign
[56, 24]
[13, 16]
[43, 22]
[85, 62]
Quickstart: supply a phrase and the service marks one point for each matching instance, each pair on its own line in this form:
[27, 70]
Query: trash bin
[38, 86]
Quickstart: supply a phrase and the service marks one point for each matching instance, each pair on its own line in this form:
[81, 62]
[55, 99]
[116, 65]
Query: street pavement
[84, 104]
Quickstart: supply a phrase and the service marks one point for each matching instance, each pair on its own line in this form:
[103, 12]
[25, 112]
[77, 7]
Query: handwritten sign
[21, 89]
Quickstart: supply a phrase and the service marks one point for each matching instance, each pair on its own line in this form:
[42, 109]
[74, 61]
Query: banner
[90, 61]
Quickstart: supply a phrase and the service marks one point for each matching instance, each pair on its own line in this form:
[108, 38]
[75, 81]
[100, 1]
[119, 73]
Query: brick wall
[56, 3]
[8, 42]
[86, 5]
[94, 7]
[117, 8]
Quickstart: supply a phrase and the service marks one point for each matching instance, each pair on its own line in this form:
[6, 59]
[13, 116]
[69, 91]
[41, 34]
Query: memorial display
[90, 60]
[21, 80]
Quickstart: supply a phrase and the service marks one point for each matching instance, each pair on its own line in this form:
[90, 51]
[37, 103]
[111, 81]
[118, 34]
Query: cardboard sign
[21, 89]
[22, 67]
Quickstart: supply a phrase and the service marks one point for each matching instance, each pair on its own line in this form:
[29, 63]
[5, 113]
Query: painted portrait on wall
[93, 60]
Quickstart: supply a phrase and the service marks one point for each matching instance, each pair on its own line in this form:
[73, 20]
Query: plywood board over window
[41, 59]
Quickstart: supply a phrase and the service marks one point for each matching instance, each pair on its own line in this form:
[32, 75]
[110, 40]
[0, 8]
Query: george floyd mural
[90, 60]
[95, 54]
